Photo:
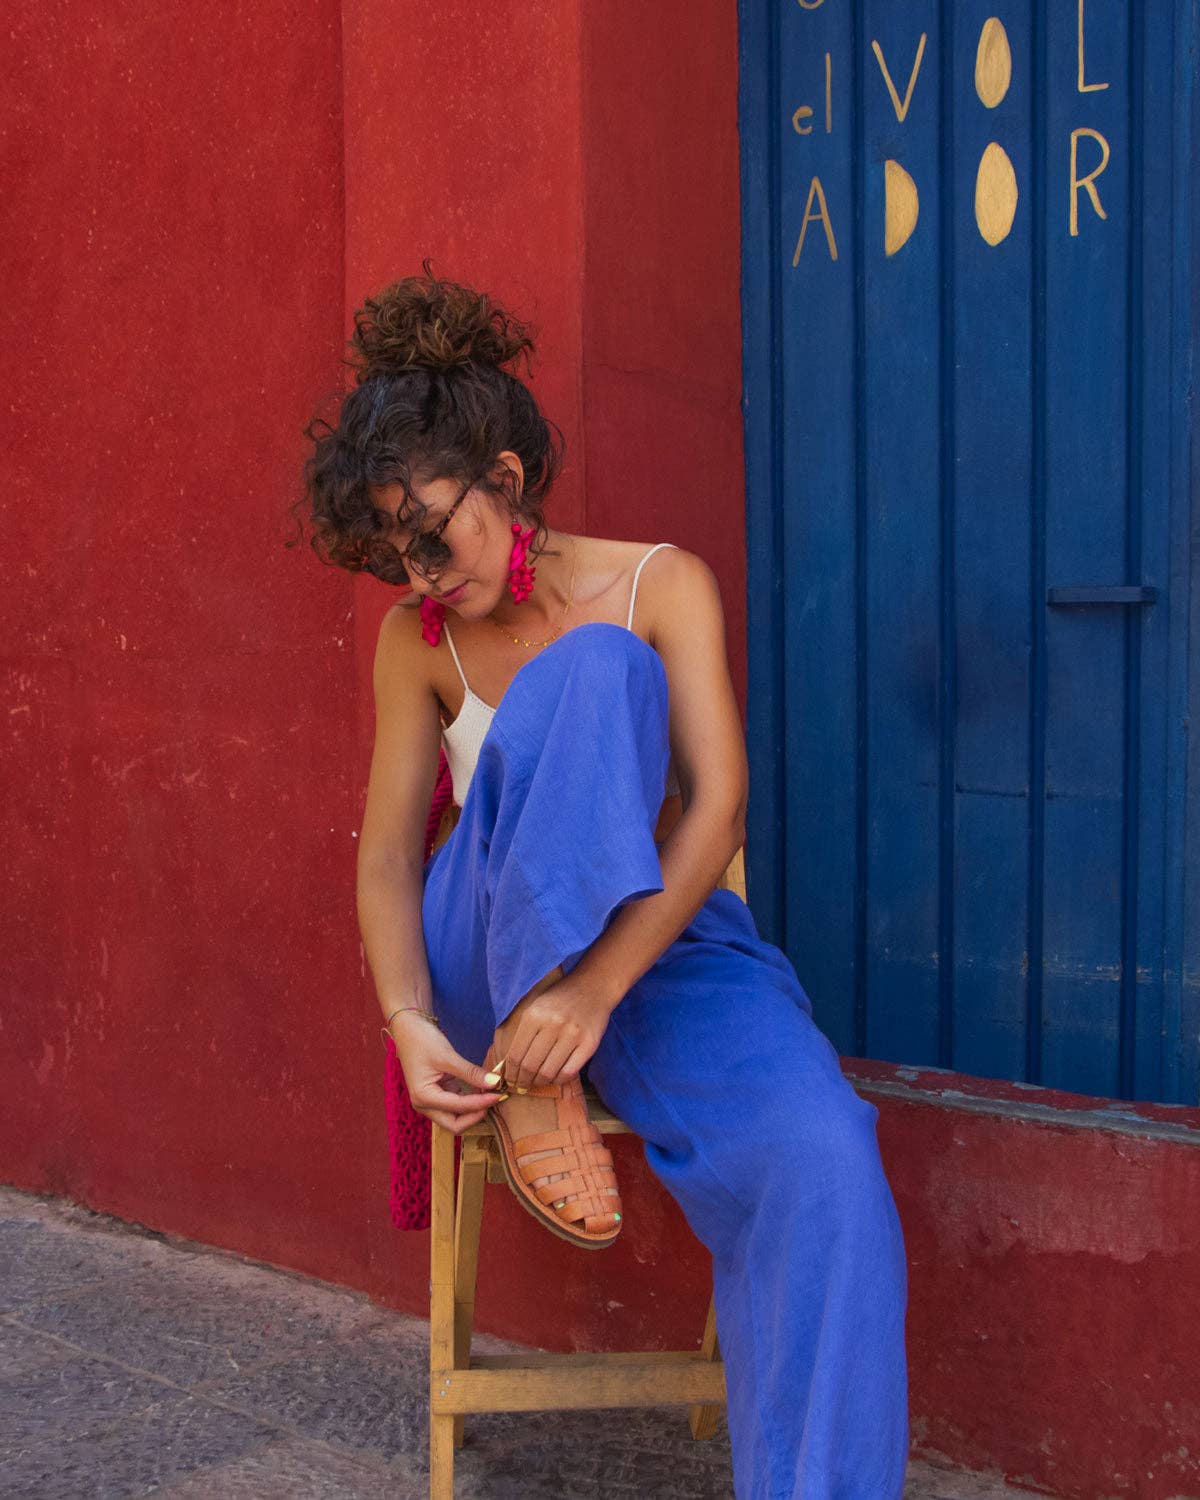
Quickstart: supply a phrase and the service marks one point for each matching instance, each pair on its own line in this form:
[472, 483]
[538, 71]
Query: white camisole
[463, 736]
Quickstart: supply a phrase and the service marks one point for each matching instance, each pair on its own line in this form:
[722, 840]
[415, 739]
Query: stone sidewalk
[132, 1364]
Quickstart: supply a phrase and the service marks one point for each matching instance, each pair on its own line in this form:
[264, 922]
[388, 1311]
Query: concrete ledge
[1179, 1122]
[1054, 1279]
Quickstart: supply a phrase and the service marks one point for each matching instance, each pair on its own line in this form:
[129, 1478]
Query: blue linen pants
[712, 1057]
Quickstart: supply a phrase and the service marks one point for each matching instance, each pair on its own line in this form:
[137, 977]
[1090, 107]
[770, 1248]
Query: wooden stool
[460, 1383]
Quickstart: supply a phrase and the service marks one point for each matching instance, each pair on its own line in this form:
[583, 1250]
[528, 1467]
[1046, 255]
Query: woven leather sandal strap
[593, 1197]
[583, 1173]
[572, 1159]
[587, 1209]
[552, 1140]
[572, 1183]
[581, 1200]
[546, 1091]
[564, 1165]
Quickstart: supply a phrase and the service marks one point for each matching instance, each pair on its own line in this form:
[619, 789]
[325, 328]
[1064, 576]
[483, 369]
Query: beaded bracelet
[385, 1031]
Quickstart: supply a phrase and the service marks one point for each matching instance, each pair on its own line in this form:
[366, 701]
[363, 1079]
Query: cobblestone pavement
[134, 1364]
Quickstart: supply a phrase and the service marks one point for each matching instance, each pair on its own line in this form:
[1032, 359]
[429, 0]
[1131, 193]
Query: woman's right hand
[430, 1066]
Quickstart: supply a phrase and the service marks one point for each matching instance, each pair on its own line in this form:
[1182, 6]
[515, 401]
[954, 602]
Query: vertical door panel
[987, 102]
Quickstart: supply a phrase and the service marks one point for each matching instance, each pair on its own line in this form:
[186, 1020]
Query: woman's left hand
[549, 1037]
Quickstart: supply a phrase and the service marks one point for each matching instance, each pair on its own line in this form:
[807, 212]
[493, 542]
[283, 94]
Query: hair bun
[423, 322]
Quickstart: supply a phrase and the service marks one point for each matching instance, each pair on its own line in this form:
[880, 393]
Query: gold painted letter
[817, 190]
[995, 193]
[901, 205]
[1078, 182]
[1085, 88]
[806, 110]
[901, 109]
[993, 63]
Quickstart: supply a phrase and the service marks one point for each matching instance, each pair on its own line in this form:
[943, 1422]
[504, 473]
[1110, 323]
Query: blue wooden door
[967, 285]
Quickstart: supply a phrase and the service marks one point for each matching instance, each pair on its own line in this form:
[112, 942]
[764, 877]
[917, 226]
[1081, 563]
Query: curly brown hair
[431, 400]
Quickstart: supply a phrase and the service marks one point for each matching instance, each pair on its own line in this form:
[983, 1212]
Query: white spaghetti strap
[637, 575]
[454, 654]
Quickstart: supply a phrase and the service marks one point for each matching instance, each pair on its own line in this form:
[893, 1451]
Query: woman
[570, 926]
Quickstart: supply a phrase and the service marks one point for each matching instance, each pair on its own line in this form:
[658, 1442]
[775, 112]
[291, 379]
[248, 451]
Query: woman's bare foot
[527, 1114]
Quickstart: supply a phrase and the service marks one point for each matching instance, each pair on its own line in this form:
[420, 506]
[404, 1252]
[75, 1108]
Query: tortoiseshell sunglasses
[426, 552]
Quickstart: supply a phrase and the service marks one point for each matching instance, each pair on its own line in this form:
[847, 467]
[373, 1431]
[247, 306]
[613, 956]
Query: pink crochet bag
[408, 1132]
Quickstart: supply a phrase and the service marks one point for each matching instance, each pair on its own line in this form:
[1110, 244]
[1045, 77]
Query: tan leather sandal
[578, 1207]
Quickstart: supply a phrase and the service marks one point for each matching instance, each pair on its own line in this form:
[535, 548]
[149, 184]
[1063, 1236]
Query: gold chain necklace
[558, 630]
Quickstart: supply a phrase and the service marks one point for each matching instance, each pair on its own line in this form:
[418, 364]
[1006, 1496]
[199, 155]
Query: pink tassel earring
[521, 573]
[433, 612]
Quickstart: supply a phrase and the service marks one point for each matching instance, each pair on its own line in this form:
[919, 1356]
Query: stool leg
[472, 1170]
[441, 1309]
[703, 1419]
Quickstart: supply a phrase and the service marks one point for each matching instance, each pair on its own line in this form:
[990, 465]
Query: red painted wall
[180, 1045]
[192, 1043]
[662, 347]
[190, 1040]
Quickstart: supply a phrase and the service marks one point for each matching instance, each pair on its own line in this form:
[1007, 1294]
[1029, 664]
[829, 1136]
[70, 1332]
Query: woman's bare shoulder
[665, 561]
[400, 628]
[674, 583]
[401, 652]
